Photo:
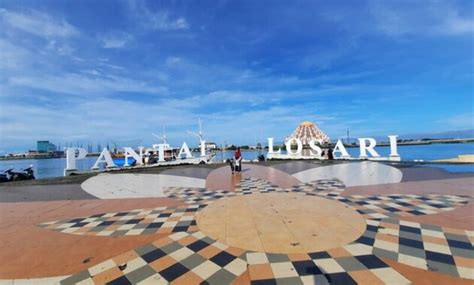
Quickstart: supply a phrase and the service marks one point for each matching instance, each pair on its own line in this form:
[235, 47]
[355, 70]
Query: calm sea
[45, 168]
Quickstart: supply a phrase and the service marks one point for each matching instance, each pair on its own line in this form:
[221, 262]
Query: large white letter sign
[71, 157]
[369, 148]
[185, 149]
[299, 146]
[106, 158]
[270, 147]
[340, 148]
[313, 146]
[393, 146]
[203, 148]
[129, 152]
[161, 151]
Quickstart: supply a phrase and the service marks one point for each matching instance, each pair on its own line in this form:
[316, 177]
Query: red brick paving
[30, 251]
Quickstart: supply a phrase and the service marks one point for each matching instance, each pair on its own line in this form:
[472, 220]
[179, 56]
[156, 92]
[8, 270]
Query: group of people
[236, 161]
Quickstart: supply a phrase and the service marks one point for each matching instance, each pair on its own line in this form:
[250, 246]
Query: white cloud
[163, 22]
[173, 61]
[456, 25]
[156, 20]
[11, 56]
[187, 73]
[111, 119]
[85, 85]
[459, 121]
[96, 120]
[60, 48]
[38, 24]
[411, 18]
[116, 40]
[240, 117]
[241, 97]
[107, 64]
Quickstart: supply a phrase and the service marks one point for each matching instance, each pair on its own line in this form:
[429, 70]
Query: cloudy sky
[120, 70]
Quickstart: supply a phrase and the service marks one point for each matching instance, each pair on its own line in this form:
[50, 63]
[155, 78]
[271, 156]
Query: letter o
[299, 148]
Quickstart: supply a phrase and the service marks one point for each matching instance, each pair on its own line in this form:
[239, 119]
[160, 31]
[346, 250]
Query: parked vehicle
[5, 177]
[11, 175]
[120, 161]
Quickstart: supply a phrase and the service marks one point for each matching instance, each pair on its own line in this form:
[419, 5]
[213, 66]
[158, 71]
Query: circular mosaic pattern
[281, 223]
[261, 217]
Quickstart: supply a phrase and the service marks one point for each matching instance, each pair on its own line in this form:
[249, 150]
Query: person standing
[231, 163]
[238, 160]
[330, 154]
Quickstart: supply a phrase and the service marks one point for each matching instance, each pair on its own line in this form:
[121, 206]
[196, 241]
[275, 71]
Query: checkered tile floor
[189, 257]
[136, 222]
[327, 187]
[255, 185]
[180, 258]
[194, 196]
[379, 207]
[338, 266]
[196, 259]
[330, 188]
[429, 247]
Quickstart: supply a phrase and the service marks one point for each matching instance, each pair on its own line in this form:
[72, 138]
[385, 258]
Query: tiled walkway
[202, 234]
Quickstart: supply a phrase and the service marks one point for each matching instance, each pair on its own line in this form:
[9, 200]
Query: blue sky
[119, 70]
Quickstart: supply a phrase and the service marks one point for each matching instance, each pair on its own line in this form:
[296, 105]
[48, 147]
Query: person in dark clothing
[238, 160]
[330, 154]
[231, 163]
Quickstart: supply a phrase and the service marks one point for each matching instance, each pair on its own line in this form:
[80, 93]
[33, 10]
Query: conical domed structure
[307, 131]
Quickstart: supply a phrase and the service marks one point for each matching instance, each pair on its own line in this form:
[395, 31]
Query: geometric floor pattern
[429, 247]
[193, 258]
[195, 196]
[182, 258]
[327, 187]
[351, 264]
[167, 219]
[398, 205]
[187, 256]
[135, 222]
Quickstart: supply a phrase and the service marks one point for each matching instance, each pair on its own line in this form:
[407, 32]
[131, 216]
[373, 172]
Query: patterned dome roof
[306, 131]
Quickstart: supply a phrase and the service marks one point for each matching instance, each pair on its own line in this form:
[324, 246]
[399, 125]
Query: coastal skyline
[115, 70]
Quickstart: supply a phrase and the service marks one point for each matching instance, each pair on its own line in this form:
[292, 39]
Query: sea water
[53, 167]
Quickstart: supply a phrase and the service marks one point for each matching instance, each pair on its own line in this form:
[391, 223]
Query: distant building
[308, 131]
[45, 147]
[211, 145]
[17, 155]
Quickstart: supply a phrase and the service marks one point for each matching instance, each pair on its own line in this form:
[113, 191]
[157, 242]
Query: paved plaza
[297, 222]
